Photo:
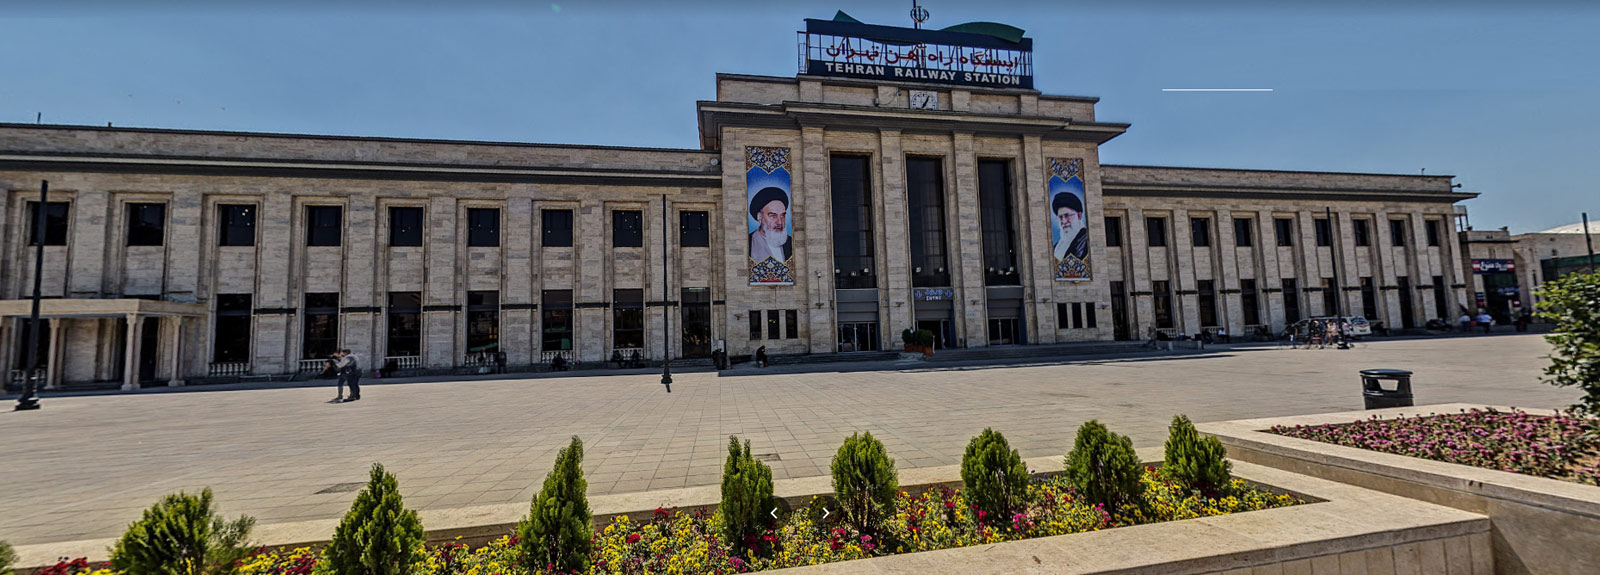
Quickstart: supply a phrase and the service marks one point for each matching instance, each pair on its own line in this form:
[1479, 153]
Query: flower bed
[1560, 446]
[687, 542]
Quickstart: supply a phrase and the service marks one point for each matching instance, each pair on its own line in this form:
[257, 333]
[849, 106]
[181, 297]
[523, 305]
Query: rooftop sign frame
[868, 51]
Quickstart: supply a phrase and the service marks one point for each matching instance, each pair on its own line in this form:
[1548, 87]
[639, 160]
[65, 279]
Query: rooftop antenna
[918, 14]
[39, 118]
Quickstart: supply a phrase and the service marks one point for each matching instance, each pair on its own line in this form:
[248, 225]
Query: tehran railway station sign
[975, 54]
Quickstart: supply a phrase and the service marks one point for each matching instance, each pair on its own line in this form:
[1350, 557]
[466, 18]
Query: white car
[1356, 326]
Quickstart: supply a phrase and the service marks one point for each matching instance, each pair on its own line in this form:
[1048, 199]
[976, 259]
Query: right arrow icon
[824, 512]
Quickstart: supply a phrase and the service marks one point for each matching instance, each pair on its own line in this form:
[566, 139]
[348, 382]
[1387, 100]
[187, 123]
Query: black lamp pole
[30, 399]
[666, 314]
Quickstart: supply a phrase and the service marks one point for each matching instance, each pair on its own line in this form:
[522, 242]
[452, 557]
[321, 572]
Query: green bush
[182, 535]
[864, 482]
[996, 480]
[1573, 304]
[559, 530]
[8, 558]
[1104, 468]
[746, 495]
[378, 536]
[1197, 462]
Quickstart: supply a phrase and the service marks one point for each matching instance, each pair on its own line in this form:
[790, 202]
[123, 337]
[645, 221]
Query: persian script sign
[854, 50]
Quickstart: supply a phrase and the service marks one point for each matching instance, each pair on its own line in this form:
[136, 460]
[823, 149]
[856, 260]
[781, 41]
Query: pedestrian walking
[350, 372]
[330, 368]
[1465, 321]
[1485, 320]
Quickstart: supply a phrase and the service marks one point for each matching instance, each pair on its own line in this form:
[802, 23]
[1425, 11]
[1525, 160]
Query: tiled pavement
[85, 466]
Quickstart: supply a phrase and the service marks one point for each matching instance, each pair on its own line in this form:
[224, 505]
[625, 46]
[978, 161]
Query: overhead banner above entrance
[856, 50]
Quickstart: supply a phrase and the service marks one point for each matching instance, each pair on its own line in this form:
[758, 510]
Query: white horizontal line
[1216, 89]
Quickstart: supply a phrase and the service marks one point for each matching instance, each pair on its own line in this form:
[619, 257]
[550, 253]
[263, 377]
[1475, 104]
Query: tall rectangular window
[627, 229]
[774, 330]
[925, 195]
[1088, 315]
[1397, 233]
[405, 324]
[231, 342]
[483, 227]
[1369, 299]
[555, 318]
[557, 226]
[1244, 232]
[1324, 232]
[1113, 227]
[994, 199]
[1077, 315]
[1441, 305]
[1200, 232]
[147, 224]
[320, 338]
[1330, 298]
[1362, 230]
[483, 321]
[791, 324]
[1208, 302]
[1284, 228]
[1250, 301]
[237, 225]
[627, 318]
[1432, 229]
[324, 225]
[405, 226]
[1291, 300]
[1161, 294]
[853, 263]
[1155, 231]
[1063, 316]
[755, 324]
[694, 229]
[55, 224]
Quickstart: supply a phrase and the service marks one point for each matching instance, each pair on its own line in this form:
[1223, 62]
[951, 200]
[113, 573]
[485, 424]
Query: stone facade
[100, 172]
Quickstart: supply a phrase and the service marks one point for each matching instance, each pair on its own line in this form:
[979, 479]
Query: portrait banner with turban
[1069, 219]
[770, 224]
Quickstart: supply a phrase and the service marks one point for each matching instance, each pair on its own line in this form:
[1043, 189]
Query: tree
[1197, 462]
[8, 558]
[1104, 468]
[378, 536]
[1573, 304]
[182, 535]
[996, 480]
[558, 533]
[864, 481]
[746, 495]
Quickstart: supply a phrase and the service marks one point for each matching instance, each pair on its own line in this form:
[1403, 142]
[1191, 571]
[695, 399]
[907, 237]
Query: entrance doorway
[943, 336]
[696, 319]
[1119, 312]
[149, 343]
[862, 336]
[1005, 331]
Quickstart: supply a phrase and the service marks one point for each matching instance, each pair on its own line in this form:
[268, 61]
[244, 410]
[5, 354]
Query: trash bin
[1378, 397]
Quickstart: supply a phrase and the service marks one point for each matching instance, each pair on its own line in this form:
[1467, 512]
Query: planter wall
[1540, 526]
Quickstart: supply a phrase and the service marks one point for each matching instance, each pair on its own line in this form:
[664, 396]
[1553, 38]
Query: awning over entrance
[92, 308]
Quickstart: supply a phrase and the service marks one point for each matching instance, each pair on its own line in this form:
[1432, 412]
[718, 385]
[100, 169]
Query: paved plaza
[84, 466]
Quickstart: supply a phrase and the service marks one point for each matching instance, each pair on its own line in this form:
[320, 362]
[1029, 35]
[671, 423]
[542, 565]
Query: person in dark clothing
[761, 356]
[616, 358]
[558, 363]
[635, 360]
[350, 370]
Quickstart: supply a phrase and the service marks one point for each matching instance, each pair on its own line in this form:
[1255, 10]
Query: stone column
[1034, 249]
[1138, 277]
[359, 329]
[1271, 278]
[516, 327]
[175, 358]
[130, 361]
[54, 368]
[439, 331]
[1230, 302]
[272, 334]
[818, 217]
[1180, 265]
[967, 244]
[184, 244]
[590, 256]
[88, 244]
[895, 295]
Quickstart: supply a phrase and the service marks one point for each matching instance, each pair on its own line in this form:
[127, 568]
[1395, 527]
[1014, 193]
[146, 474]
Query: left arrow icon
[774, 512]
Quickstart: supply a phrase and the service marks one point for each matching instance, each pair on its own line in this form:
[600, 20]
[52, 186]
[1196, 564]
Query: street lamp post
[666, 314]
[30, 384]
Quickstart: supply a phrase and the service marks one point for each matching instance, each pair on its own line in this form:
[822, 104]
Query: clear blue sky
[1506, 96]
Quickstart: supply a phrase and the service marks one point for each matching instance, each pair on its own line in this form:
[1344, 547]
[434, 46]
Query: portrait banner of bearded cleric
[771, 226]
[1069, 217]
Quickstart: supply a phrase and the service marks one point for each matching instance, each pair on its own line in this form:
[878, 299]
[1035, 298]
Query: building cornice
[197, 166]
[792, 115]
[1110, 189]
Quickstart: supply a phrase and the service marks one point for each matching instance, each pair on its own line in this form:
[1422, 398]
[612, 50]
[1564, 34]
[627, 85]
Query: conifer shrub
[378, 536]
[558, 533]
[996, 480]
[182, 535]
[746, 495]
[1104, 468]
[8, 558]
[1197, 462]
[864, 482]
